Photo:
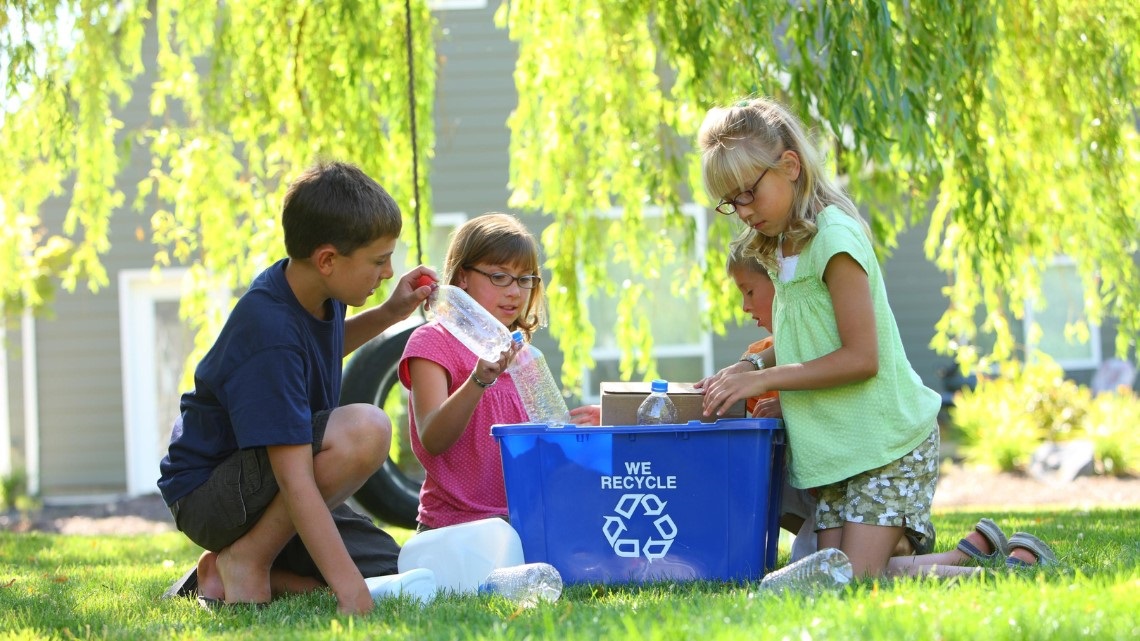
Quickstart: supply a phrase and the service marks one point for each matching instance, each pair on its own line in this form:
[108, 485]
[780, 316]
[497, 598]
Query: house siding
[914, 289]
[475, 96]
[78, 357]
[82, 441]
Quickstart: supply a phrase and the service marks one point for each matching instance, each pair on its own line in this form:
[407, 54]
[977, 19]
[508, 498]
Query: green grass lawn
[105, 587]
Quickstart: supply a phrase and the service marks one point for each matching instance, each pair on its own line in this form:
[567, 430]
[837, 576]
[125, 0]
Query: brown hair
[499, 239]
[336, 203]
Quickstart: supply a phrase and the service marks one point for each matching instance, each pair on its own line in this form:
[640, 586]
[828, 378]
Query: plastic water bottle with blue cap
[536, 385]
[657, 408]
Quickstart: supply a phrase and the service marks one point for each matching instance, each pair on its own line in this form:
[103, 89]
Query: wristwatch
[756, 359]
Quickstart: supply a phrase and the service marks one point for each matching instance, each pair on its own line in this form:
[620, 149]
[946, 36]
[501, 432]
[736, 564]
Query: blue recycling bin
[622, 504]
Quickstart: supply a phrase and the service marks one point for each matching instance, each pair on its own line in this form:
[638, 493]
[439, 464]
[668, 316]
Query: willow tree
[241, 96]
[1018, 118]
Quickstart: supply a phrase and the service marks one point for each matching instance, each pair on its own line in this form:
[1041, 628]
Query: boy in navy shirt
[261, 459]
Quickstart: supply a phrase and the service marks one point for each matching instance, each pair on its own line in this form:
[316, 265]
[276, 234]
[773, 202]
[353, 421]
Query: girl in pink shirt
[455, 396]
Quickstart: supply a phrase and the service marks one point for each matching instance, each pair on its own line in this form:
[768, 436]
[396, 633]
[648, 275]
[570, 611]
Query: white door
[155, 345]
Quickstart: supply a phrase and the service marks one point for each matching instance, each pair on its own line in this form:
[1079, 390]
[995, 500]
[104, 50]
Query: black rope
[412, 115]
[415, 146]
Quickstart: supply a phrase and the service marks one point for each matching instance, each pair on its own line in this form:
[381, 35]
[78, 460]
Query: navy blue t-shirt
[272, 367]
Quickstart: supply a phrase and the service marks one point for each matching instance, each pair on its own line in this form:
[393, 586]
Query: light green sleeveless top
[836, 433]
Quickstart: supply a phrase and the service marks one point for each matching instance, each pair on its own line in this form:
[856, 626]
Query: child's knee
[364, 428]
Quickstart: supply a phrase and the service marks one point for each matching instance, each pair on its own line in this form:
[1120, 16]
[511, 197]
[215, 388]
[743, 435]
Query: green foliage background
[1017, 120]
[244, 96]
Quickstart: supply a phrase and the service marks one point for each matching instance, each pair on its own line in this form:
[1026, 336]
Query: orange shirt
[756, 348]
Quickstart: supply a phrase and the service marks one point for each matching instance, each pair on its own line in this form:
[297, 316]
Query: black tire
[392, 494]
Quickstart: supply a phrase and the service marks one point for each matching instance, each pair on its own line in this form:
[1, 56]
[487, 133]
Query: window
[683, 351]
[1062, 306]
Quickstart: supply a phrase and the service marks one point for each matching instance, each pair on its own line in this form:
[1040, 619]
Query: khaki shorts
[897, 494]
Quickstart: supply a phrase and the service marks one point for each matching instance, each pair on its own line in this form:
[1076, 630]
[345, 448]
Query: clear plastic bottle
[827, 569]
[536, 386]
[657, 408]
[468, 321]
[525, 584]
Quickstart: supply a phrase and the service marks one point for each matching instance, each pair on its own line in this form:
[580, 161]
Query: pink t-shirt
[465, 483]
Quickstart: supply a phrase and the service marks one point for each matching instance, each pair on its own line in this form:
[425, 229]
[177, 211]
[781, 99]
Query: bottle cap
[659, 385]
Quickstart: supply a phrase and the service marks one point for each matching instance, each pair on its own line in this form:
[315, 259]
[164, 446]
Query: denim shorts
[897, 494]
[232, 500]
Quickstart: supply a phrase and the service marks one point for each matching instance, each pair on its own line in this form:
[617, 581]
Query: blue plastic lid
[659, 385]
[517, 336]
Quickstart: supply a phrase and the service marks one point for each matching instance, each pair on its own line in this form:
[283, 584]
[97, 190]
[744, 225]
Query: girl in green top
[861, 424]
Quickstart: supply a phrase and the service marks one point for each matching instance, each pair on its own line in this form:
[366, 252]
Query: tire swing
[371, 375]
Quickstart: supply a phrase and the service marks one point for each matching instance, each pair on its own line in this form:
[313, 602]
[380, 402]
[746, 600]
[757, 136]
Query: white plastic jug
[461, 556]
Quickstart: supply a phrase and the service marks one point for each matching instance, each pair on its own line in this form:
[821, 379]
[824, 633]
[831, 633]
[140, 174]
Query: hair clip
[743, 103]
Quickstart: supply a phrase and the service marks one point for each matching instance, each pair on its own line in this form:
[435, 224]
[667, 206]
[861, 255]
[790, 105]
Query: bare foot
[286, 582]
[243, 582]
[209, 581]
[980, 542]
[1024, 555]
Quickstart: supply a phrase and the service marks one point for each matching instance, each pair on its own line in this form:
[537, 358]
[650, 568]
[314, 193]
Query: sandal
[1040, 550]
[187, 585]
[994, 536]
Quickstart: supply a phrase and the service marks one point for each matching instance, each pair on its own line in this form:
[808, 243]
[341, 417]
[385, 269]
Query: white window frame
[1095, 356]
[139, 291]
[702, 347]
[452, 5]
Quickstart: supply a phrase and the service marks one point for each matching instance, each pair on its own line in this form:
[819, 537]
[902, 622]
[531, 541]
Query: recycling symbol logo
[631, 515]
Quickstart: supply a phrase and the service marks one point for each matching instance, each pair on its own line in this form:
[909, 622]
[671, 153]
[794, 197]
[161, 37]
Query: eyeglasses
[503, 279]
[728, 207]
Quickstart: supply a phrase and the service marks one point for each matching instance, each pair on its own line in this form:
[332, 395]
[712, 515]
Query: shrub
[996, 422]
[1005, 418]
[13, 489]
[1113, 425]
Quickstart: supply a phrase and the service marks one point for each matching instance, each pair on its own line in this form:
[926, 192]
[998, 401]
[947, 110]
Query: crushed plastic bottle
[657, 408]
[525, 584]
[827, 569]
[468, 321]
[536, 385]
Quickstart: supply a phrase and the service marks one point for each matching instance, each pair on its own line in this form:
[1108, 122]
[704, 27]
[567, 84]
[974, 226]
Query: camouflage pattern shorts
[896, 494]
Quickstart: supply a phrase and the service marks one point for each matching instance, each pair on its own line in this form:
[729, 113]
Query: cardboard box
[630, 503]
[621, 400]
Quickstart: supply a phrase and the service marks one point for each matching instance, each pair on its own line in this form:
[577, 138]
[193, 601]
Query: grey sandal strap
[994, 536]
[1040, 550]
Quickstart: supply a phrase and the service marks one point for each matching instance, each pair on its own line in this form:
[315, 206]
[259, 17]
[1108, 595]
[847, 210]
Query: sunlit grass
[64, 587]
